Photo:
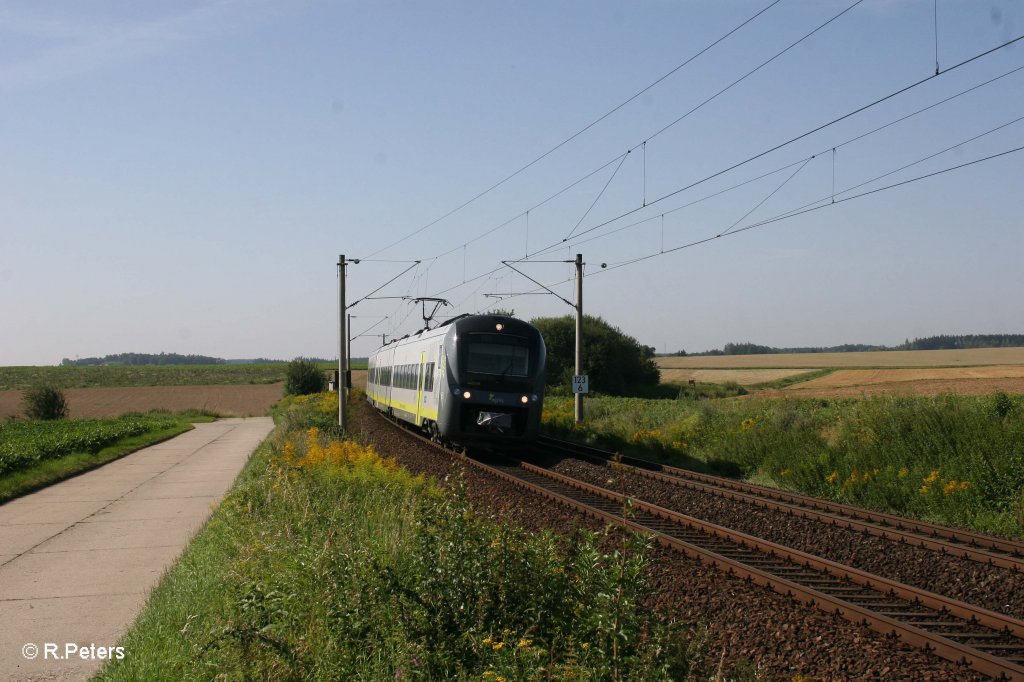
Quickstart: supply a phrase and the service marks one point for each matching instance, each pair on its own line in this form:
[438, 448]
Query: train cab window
[497, 354]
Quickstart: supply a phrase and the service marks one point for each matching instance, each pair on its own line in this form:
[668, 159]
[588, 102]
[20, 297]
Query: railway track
[986, 641]
[974, 546]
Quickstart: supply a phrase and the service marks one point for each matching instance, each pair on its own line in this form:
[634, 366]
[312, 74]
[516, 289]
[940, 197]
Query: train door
[419, 387]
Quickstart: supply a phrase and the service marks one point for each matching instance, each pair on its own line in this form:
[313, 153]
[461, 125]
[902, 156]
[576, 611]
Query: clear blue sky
[181, 176]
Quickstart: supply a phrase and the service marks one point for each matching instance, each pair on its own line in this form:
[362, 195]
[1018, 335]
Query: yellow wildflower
[950, 487]
[523, 643]
[497, 646]
[585, 646]
[487, 640]
[924, 490]
[833, 477]
[964, 485]
[904, 472]
[932, 477]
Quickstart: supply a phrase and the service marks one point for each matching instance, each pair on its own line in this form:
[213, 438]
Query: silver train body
[477, 380]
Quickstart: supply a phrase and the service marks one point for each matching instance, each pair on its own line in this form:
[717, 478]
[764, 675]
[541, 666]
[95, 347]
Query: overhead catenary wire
[769, 196]
[851, 140]
[578, 132]
[679, 119]
[822, 203]
[856, 138]
[414, 264]
[788, 142]
[876, 102]
[597, 198]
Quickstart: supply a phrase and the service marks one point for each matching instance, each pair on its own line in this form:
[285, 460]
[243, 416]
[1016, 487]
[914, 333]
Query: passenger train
[476, 380]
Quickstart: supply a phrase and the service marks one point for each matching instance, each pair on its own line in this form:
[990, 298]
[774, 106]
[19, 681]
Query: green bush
[304, 377]
[617, 363]
[44, 402]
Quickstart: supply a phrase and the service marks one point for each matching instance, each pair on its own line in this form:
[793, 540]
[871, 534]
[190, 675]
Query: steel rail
[976, 546]
[830, 587]
[830, 517]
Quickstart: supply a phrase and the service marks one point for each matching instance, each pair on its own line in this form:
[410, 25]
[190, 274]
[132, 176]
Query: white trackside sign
[580, 383]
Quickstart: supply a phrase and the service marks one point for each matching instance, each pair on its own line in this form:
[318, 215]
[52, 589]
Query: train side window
[428, 379]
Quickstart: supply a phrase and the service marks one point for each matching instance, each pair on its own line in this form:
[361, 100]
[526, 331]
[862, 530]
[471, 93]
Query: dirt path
[78, 559]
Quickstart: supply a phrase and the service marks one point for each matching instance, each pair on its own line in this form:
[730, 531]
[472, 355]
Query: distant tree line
[965, 341]
[135, 359]
[144, 359]
[941, 342]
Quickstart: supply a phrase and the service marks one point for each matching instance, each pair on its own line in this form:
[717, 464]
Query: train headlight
[525, 400]
[467, 395]
[499, 326]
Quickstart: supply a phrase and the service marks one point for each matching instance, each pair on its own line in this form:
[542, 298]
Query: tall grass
[329, 562]
[954, 460]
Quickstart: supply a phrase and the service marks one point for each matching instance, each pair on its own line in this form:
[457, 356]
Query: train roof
[424, 333]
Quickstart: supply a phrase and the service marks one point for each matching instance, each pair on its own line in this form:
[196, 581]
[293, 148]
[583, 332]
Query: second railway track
[985, 549]
[984, 640]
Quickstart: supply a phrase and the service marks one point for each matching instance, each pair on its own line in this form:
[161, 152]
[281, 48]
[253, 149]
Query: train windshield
[497, 354]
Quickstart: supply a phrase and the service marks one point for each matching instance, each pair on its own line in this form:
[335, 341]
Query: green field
[37, 453]
[952, 460]
[14, 378]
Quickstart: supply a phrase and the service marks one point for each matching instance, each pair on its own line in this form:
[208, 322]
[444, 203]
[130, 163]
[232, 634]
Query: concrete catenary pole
[342, 336]
[579, 333]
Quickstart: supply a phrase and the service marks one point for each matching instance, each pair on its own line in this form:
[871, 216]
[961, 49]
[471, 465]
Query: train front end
[494, 373]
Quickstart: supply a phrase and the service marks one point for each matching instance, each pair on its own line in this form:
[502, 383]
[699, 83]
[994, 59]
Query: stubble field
[920, 373]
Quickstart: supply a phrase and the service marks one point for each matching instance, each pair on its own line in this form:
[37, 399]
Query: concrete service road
[79, 558]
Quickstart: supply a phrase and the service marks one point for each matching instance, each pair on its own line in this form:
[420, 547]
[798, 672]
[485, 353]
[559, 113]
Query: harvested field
[926, 387]
[895, 358]
[863, 377]
[743, 377]
[243, 400]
